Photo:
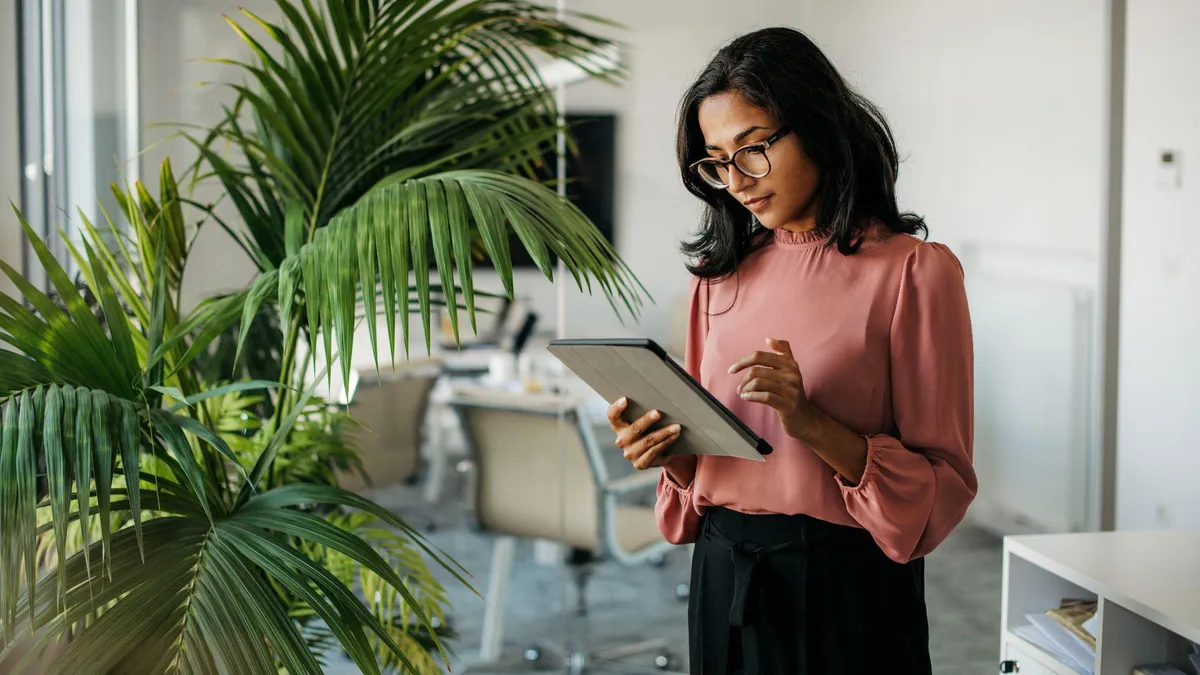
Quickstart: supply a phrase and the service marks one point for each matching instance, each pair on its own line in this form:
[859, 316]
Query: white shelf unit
[1147, 585]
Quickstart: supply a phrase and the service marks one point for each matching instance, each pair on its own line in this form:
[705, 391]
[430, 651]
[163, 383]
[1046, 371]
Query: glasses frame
[764, 145]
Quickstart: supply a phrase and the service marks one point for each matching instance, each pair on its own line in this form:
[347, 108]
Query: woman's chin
[768, 222]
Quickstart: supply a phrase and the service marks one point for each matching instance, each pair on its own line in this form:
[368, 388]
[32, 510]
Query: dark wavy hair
[846, 136]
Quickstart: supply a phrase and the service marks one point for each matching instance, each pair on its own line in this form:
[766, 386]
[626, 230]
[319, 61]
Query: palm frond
[198, 595]
[363, 243]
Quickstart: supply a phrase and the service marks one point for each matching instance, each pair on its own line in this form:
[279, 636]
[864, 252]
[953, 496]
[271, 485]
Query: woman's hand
[644, 450]
[773, 378]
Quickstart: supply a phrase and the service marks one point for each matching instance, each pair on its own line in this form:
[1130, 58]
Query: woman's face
[785, 197]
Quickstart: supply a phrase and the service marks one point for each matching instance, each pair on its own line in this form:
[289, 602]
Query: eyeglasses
[751, 160]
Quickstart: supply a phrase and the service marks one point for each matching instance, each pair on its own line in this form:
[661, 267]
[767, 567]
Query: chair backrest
[677, 332]
[533, 473]
[392, 413]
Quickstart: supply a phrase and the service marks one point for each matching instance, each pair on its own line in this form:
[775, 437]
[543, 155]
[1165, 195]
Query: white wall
[1159, 385]
[175, 36]
[10, 154]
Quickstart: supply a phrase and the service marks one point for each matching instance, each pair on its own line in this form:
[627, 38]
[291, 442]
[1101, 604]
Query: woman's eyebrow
[739, 138]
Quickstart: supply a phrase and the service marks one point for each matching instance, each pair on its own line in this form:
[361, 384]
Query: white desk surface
[1152, 573]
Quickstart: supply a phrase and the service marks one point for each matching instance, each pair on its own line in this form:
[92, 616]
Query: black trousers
[794, 595]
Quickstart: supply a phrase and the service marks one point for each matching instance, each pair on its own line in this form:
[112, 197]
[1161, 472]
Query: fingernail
[675, 428]
[731, 368]
[622, 400]
[654, 414]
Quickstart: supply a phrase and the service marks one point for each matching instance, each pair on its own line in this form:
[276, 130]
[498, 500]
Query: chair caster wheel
[665, 661]
[683, 592]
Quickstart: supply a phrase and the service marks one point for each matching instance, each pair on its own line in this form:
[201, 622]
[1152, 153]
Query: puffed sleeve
[678, 517]
[918, 484]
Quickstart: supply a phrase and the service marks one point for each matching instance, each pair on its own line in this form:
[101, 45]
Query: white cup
[501, 368]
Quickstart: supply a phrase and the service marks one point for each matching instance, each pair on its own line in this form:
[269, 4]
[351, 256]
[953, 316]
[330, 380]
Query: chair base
[545, 657]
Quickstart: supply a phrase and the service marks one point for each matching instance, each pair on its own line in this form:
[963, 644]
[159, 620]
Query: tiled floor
[631, 605]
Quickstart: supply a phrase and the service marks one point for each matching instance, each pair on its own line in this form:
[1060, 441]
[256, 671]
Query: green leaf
[205, 434]
[344, 613]
[20, 372]
[224, 390]
[310, 528]
[343, 296]
[10, 551]
[299, 495]
[118, 323]
[158, 317]
[211, 318]
[25, 478]
[266, 286]
[131, 465]
[102, 445]
[460, 233]
[177, 444]
[170, 391]
[367, 274]
[293, 227]
[83, 401]
[58, 473]
[419, 224]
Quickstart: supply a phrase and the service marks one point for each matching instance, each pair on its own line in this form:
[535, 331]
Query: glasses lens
[753, 162]
[712, 173]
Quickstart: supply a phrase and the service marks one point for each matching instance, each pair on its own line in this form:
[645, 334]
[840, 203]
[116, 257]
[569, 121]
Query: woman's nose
[738, 181]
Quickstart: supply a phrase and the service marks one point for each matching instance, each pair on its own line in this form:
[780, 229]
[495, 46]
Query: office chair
[534, 477]
[391, 408]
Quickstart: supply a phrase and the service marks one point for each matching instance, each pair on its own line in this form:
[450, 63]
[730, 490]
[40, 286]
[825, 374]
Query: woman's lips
[757, 204]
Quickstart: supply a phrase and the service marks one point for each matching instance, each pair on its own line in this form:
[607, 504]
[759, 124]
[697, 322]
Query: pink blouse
[883, 341]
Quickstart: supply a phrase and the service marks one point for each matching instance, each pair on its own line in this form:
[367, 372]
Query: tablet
[641, 370]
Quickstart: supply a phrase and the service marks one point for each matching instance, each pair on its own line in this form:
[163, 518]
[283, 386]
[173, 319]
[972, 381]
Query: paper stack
[1065, 633]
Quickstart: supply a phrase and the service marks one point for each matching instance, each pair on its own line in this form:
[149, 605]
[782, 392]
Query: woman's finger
[771, 399]
[634, 451]
[761, 358]
[782, 346]
[782, 389]
[788, 376]
[614, 414]
[630, 434]
[652, 457]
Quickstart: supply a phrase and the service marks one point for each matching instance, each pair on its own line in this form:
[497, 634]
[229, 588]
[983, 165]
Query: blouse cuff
[869, 473]
[669, 481]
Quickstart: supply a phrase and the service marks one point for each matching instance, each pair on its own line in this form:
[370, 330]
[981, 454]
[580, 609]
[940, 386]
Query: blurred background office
[1052, 145]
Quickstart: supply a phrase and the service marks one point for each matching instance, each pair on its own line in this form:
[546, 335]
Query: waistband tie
[748, 597]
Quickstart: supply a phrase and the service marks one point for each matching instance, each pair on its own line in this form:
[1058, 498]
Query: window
[79, 121]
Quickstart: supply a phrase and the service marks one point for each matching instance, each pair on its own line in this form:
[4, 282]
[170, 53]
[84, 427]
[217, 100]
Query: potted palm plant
[147, 522]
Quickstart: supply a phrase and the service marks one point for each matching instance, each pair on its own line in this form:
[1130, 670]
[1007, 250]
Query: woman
[820, 320]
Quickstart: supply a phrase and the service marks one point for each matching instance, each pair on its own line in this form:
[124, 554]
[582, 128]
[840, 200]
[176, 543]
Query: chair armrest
[641, 480]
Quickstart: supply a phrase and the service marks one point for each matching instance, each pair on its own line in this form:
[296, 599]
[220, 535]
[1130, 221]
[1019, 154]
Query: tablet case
[639, 369]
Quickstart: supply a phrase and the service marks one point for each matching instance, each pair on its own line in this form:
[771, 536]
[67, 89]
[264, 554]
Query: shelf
[1144, 584]
[1143, 572]
[1020, 649]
